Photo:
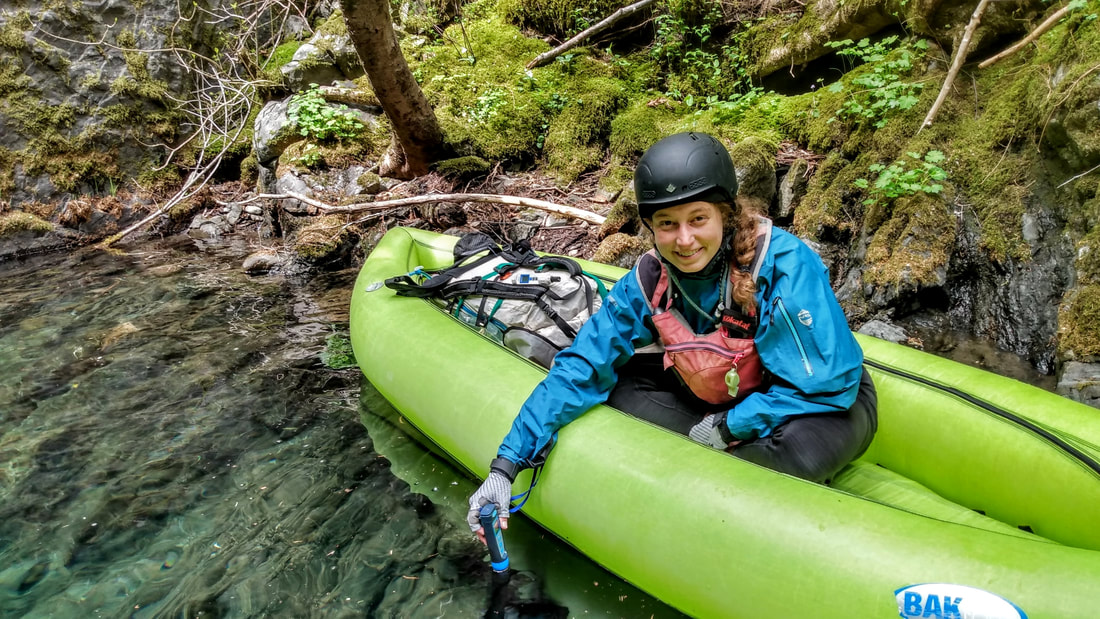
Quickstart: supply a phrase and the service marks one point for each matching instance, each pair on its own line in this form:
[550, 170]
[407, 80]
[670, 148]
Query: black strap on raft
[1026, 424]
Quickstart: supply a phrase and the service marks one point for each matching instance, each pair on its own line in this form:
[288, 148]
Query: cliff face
[82, 108]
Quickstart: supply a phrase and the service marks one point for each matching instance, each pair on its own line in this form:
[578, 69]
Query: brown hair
[741, 222]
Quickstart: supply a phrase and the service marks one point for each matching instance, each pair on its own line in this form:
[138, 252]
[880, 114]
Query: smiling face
[688, 235]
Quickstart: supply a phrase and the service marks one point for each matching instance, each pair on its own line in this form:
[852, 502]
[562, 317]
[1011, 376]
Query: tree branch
[960, 58]
[545, 58]
[384, 205]
[1035, 34]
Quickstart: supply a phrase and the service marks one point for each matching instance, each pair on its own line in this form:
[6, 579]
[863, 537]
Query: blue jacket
[803, 339]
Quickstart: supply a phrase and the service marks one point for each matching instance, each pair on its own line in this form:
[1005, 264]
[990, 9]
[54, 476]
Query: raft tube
[979, 497]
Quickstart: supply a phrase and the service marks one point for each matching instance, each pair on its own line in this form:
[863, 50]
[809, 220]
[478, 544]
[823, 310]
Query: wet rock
[1080, 382]
[291, 183]
[791, 189]
[165, 270]
[117, 333]
[262, 262]
[205, 228]
[885, 331]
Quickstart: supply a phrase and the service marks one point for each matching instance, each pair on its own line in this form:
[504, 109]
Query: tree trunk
[417, 139]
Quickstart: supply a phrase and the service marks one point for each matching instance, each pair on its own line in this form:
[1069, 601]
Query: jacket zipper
[797, 340]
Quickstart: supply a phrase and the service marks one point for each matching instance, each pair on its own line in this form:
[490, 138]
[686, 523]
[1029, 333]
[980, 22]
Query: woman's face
[688, 235]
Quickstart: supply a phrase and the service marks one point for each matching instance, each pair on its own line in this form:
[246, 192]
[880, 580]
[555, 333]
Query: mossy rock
[562, 18]
[1079, 323]
[638, 127]
[462, 169]
[17, 222]
[621, 250]
[324, 240]
[911, 249]
[754, 159]
[623, 217]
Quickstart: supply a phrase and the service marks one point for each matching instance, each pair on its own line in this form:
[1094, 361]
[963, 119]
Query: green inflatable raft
[980, 496]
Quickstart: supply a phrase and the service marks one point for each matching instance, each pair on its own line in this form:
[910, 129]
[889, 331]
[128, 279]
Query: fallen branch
[383, 205]
[1035, 34]
[960, 57]
[545, 58]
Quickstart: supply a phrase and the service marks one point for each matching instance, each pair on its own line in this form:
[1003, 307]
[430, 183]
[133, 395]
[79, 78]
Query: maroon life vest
[719, 367]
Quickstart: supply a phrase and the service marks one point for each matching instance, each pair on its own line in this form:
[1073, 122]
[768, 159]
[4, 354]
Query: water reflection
[170, 445]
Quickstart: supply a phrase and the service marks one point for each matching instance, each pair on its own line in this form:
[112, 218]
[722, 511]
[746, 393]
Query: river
[173, 445]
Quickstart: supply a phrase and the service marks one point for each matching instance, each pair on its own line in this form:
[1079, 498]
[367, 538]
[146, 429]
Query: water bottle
[490, 522]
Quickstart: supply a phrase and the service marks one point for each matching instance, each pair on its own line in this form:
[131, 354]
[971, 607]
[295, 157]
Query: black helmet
[683, 167]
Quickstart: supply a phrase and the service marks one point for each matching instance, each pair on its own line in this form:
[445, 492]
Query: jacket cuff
[724, 428]
[505, 467]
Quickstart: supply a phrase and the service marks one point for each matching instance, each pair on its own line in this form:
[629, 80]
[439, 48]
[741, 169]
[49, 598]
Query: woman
[728, 332]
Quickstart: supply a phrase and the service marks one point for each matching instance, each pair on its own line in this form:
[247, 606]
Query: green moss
[34, 118]
[19, 221]
[13, 31]
[912, 245]
[638, 127]
[810, 119]
[1079, 322]
[71, 161]
[155, 177]
[279, 57]
[831, 203]
[618, 176]
[462, 167]
[139, 83]
[322, 237]
[334, 25]
[250, 169]
[560, 17]
[338, 354]
[574, 141]
[488, 108]
[7, 172]
[13, 78]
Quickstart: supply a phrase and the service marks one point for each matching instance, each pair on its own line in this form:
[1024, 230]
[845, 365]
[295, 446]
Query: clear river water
[172, 445]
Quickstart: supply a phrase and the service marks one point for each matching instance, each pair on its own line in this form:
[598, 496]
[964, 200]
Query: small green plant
[881, 91]
[338, 354]
[310, 156]
[488, 105]
[898, 179]
[319, 120]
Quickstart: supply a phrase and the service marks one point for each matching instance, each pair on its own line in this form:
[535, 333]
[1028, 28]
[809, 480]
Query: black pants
[813, 447]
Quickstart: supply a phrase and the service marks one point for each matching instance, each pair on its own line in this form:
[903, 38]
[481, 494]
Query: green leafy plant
[880, 91]
[338, 354]
[900, 179]
[488, 105]
[310, 156]
[318, 119]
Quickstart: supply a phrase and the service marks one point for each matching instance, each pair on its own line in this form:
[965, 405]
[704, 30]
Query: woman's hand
[709, 431]
[496, 489]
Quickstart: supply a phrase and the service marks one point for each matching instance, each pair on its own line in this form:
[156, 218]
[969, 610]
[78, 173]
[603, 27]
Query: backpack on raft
[533, 305]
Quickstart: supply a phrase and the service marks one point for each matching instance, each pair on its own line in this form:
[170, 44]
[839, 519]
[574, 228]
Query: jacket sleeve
[582, 375]
[804, 341]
